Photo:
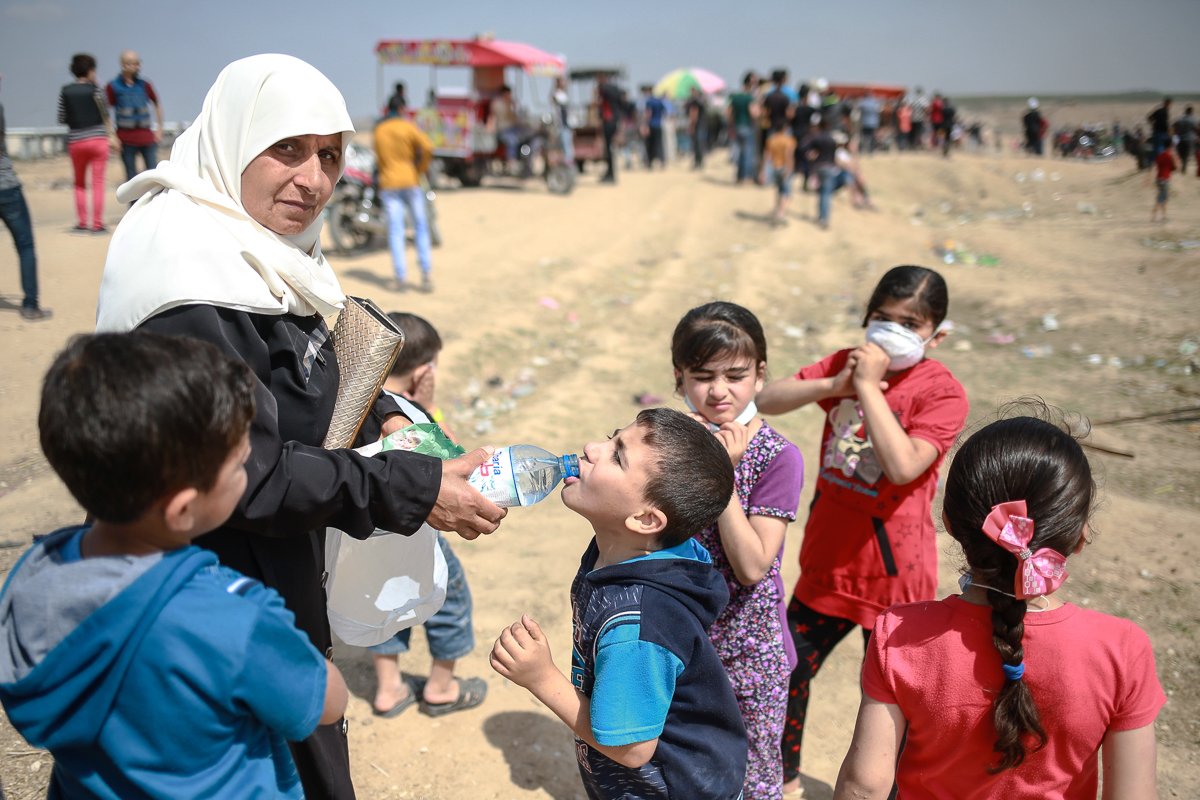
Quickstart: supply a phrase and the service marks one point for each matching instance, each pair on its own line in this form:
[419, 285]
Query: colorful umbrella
[678, 84]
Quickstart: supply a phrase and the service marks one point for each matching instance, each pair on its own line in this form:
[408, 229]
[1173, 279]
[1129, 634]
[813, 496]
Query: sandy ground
[556, 312]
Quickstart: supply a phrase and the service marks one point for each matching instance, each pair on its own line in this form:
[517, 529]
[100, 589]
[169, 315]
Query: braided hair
[1030, 459]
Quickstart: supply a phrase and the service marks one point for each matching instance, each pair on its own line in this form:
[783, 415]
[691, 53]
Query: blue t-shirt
[220, 684]
[656, 108]
[634, 679]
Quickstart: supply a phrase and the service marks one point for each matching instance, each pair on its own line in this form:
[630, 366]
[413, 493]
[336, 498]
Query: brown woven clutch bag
[366, 343]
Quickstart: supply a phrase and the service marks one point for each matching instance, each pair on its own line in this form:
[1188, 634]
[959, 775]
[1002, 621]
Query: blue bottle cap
[570, 465]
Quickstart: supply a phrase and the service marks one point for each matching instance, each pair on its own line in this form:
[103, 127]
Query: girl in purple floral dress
[720, 359]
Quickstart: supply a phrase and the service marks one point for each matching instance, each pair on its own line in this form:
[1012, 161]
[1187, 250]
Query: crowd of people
[177, 644]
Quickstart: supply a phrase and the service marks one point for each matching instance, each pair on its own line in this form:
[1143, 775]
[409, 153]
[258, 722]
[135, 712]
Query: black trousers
[815, 635]
[610, 133]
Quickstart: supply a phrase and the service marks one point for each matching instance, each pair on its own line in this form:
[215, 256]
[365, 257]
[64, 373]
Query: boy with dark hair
[104, 659]
[650, 704]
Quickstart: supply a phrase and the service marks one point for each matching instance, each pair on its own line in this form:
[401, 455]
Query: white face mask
[749, 413]
[904, 347]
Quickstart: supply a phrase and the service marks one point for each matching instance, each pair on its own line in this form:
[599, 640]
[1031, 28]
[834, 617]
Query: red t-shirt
[869, 544]
[1089, 674]
[1164, 163]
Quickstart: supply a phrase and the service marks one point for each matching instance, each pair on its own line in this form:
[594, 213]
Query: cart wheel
[346, 235]
[472, 174]
[560, 179]
[436, 174]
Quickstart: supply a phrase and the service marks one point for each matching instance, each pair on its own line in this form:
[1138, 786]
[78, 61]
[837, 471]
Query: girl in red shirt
[1005, 690]
[891, 414]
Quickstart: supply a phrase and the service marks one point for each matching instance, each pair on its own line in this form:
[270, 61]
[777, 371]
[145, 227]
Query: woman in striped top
[81, 108]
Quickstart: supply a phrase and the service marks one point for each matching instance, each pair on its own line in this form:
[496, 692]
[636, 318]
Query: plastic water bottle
[522, 474]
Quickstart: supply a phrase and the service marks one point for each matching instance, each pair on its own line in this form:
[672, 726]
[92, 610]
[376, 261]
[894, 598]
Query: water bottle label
[496, 480]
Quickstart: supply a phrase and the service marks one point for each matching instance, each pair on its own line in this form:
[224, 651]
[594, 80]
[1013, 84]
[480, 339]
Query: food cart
[584, 113]
[456, 121]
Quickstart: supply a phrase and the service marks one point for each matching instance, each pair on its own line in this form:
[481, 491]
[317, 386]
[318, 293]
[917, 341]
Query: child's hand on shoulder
[734, 437]
[522, 653]
[870, 365]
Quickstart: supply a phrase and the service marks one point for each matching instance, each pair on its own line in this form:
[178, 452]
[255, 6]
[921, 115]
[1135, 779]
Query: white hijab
[188, 239]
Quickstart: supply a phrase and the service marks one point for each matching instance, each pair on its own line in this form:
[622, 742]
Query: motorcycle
[357, 219]
[539, 154]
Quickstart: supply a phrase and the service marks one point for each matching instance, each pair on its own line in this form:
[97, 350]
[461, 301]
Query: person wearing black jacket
[222, 244]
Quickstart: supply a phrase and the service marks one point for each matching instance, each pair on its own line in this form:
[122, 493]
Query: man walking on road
[403, 153]
[130, 97]
[15, 213]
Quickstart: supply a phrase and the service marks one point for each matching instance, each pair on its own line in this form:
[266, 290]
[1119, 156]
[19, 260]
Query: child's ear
[650, 521]
[179, 510]
[938, 335]
[1085, 539]
[760, 379]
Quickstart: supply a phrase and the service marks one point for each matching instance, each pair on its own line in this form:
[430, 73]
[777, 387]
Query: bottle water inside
[522, 474]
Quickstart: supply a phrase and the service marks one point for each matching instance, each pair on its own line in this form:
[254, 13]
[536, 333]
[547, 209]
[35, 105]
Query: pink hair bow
[1041, 572]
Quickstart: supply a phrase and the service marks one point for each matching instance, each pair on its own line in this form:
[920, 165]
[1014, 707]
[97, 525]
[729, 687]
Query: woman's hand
[460, 507]
[522, 654]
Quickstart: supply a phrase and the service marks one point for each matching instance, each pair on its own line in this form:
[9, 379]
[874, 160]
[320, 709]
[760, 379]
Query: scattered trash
[793, 332]
[1115, 361]
[1038, 175]
[1095, 359]
[1019, 177]
[1037, 351]
[1086, 208]
[1054, 176]
[963, 345]
[1000, 338]
[1171, 245]
[1049, 322]
[548, 302]
[645, 399]
[1188, 347]
[951, 253]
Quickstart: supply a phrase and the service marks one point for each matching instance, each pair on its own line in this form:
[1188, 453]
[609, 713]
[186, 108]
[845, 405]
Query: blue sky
[958, 46]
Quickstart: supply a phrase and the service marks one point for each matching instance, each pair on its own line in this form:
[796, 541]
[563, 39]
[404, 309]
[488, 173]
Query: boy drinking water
[652, 710]
[106, 658]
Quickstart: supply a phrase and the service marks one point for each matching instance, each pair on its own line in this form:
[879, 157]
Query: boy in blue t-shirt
[652, 709]
[147, 669]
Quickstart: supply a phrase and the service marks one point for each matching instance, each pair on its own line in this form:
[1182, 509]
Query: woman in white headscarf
[223, 245]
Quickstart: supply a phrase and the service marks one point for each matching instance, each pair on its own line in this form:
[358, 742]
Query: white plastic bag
[382, 585]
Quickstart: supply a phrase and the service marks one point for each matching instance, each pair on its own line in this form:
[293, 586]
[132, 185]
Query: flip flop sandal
[471, 692]
[399, 708]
